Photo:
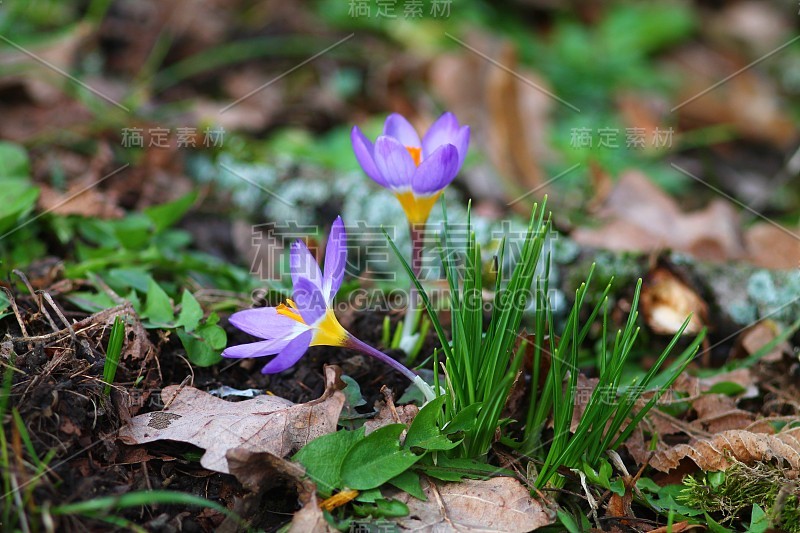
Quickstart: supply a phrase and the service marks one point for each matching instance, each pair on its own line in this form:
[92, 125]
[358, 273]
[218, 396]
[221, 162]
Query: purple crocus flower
[307, 319]
[416, 172]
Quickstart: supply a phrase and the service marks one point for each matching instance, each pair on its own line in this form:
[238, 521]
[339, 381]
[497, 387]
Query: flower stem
[409, 336]
[355, 344]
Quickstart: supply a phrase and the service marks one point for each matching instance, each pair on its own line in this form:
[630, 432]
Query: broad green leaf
[19, 199]
[124, 279]
[323, 456]
[191, 312]
[424, 432]
[408, 482]
[165, 215]
[728, 388]
[157, 307]
[376, 459]
[14, 162]
[91, 302]
[134, 231]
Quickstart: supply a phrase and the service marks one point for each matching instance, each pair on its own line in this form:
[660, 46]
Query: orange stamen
[416, 154]
[289, 310]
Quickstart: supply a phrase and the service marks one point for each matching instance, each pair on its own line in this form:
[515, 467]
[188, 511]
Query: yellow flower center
[417, 208]
[328, 331]
[416, 154]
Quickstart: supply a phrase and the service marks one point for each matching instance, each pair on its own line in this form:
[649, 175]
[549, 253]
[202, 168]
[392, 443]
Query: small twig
[13, 302]
[79, 326]
[59, 313]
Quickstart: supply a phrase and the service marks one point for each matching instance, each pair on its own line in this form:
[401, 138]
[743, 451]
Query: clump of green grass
[480, 366]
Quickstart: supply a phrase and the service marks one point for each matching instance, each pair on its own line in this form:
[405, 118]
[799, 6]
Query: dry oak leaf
[264, 424]
[715, 453]
[485, 506]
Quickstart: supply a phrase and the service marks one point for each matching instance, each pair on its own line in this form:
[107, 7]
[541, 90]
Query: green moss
[733, 493]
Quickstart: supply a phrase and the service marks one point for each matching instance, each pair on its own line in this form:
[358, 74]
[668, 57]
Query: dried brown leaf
[263, 424]
[640, 216]
[496, 504]
[715, 453]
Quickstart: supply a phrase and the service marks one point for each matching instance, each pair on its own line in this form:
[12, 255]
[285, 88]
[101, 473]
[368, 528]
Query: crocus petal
[462, 145]
[311, 302]
[303, 265]
[443, 131]
[257, 349]
[436, 171]
[290, 354]
[394, 162]
[401, 129]
[364, 149]
[265, 323]
[335, 260]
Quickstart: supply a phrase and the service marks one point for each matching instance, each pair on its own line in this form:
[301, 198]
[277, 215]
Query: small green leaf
[352, 392]
[323, 456]
[618, 487]
[715, 479]
[727, 388]
[19, 199]
[382, 509]
[91, 302]
[203, 346]
[464, 420]
[408, 482]
[376, 459]
[165, 215]
[158, 308]
[424, 433]
[191, 312]
[369, 496]
[568, 522]
[15, 161]
[759, 521]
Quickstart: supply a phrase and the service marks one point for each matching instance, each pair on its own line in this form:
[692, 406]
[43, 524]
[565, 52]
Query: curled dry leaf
[667, 300]
[496, 504]
[263, 424]
[716, 453]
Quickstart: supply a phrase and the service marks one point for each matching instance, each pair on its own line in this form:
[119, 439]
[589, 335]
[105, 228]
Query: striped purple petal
[394, 162]
[264, 322]
[257, 349]
[437, 171]
[401, 129]
[335, 260]
[290, 354]
[364, 150]
[311, 303]
[303, 265]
